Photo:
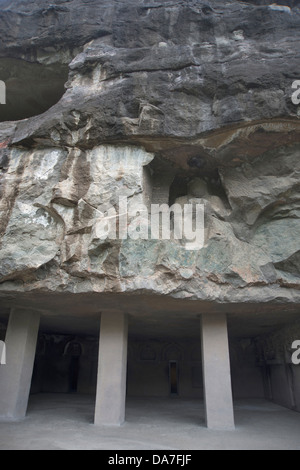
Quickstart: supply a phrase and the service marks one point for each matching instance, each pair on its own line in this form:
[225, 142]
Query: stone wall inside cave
[261, 366]
[68, 364]
[281, 373]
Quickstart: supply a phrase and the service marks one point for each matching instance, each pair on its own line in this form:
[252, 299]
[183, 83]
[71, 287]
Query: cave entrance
[168, 183]
[74, 365]
[173, 378]
[30, 88]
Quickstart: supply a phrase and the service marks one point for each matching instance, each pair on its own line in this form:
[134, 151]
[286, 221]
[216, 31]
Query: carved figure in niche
[198, 193]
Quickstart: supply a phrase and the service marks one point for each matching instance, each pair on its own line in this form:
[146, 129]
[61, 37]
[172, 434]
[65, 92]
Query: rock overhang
[190, 83]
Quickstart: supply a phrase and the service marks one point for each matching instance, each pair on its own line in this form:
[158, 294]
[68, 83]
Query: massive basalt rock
[160, 97]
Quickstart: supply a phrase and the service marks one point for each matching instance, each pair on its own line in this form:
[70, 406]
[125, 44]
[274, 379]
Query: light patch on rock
[283, 8]
[55, 135]
[66, 213]
[37, 219]
[26, 209]
[47, 165]
[119, 158]
[222, 41]
[186, 273]
[238, 35]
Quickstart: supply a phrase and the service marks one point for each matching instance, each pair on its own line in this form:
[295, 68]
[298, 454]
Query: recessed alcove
[31, 88]
[166, 181]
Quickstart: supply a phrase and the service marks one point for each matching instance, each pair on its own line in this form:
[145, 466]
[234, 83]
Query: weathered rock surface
[158, 94]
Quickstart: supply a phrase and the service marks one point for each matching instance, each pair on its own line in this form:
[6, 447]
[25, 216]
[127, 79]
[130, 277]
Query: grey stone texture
[112, 367]
[16, 374]
[216, 373]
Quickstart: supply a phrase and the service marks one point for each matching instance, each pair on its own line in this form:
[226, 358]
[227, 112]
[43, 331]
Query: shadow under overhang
[150, 316]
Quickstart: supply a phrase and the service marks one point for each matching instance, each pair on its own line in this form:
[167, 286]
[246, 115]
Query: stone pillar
[15, 376]
[216, 373]
[112, 367]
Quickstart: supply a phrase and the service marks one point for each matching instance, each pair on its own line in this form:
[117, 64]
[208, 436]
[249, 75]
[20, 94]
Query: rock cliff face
[164, 102]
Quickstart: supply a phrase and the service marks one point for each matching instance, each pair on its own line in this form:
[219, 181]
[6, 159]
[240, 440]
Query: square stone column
[216, 372]
[112, 368]
[16, 374]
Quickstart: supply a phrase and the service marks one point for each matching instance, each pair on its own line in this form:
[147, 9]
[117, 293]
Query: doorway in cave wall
[31, 88]
[173, 378]
[74, 367]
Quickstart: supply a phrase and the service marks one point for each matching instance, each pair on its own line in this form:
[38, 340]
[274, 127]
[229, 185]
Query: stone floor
[58, 421]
